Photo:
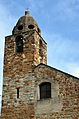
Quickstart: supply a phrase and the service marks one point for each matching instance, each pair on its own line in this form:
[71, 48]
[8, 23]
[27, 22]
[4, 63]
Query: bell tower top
[27, 13]
[25, 23]
[25, 48]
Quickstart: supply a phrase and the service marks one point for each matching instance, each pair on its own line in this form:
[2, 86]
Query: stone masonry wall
[22, 63]
[22, 107]
[64, 103]
[18, 68]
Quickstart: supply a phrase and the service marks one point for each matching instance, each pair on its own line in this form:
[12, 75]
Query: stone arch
[19, 44]
[45, 90]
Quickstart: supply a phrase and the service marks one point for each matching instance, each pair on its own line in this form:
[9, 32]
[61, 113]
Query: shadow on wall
[0, 105]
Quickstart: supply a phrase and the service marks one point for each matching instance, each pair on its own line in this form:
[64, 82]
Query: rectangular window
[17, 92]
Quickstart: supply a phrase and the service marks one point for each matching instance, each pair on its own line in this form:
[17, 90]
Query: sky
[59, 24]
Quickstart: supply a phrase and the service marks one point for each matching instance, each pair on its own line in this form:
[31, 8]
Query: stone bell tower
[24, 50]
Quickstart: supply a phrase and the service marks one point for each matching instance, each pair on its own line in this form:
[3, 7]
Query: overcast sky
[59, 24]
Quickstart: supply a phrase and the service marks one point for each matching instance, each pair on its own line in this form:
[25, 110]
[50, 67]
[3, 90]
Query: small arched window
[19, 44]
[45, 90]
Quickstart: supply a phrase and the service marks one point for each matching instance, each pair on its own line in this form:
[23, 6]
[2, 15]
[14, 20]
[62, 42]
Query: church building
[31, 88]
